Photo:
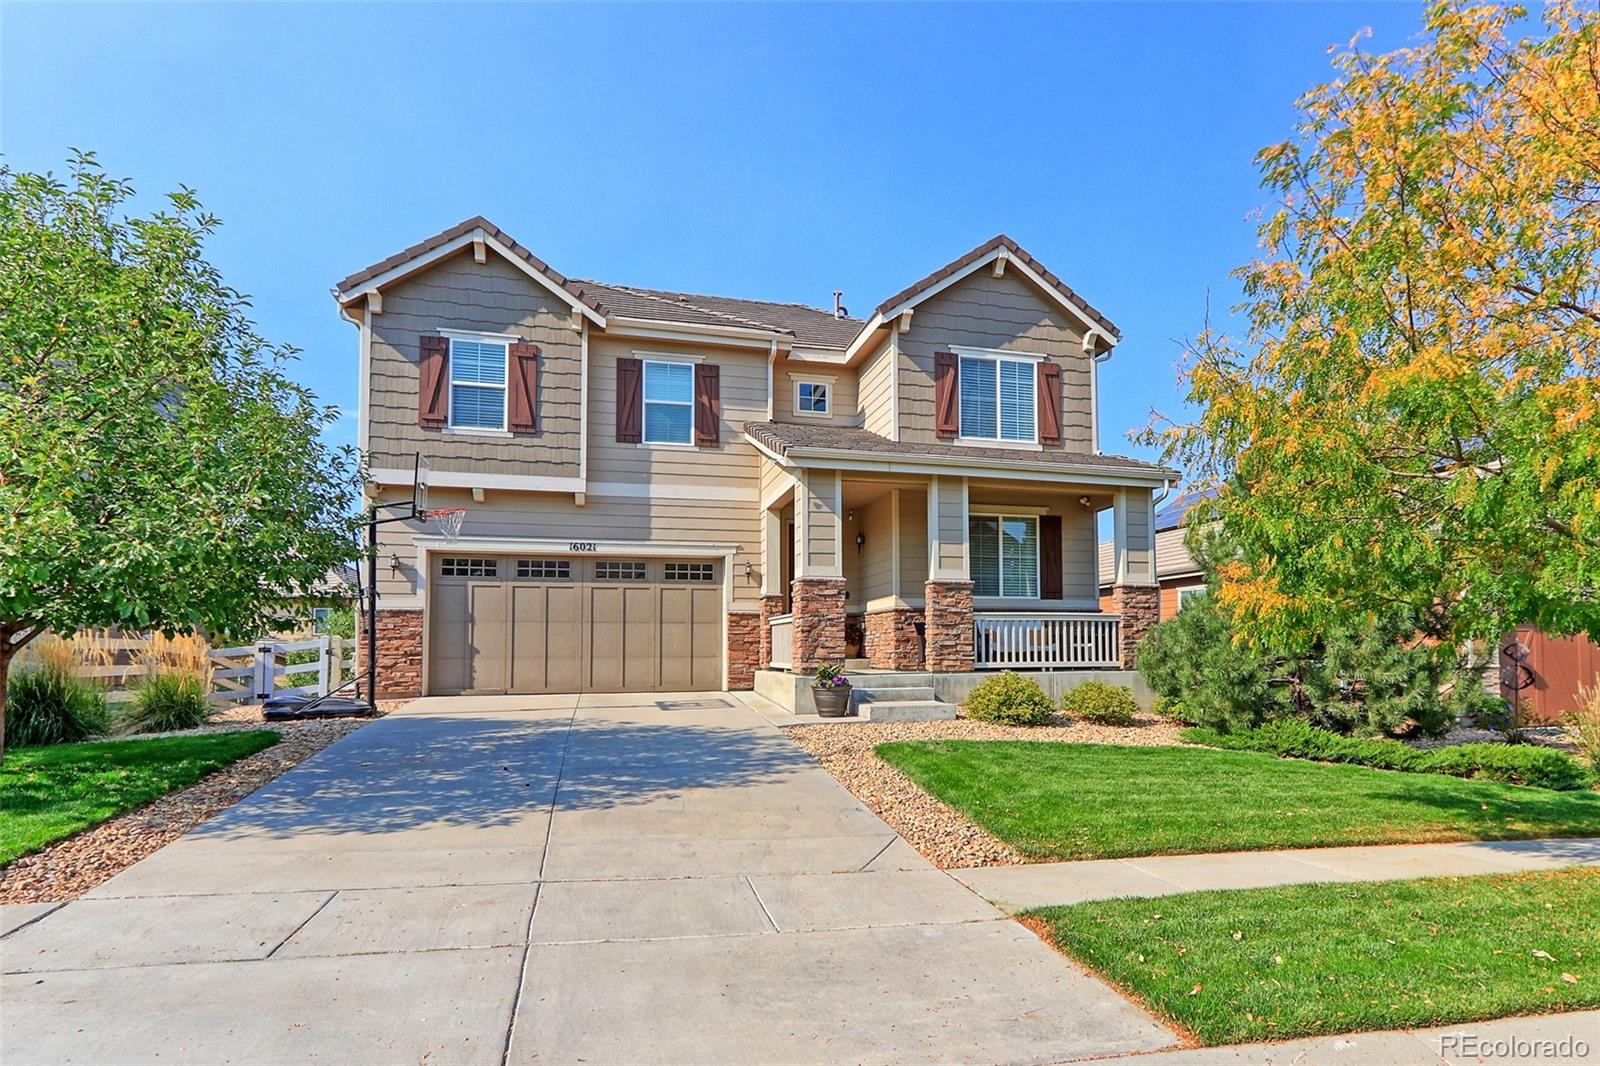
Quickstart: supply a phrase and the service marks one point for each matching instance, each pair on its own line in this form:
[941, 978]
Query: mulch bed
[943, 835]
[68, 868]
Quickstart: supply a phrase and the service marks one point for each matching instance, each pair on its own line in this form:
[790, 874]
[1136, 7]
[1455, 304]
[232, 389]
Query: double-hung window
[477, 384]
[1005, 555]
[668, 403]
[997, 399]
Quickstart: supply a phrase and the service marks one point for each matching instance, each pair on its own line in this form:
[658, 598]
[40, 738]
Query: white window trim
[1181, 589]
[1038, 554]
[997, 356]
[505, 340]
[813, 379]
[645, 359]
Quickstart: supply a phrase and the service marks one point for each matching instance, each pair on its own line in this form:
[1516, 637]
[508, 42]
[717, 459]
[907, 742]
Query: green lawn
[1095, 801]
[1311, 959]
[51, 792]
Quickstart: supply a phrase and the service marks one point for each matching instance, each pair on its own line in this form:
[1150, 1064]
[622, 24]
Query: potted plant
[831, 690]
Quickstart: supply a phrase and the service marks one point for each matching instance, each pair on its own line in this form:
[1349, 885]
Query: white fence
[247, 674]
[1047, 641]
[782, 626]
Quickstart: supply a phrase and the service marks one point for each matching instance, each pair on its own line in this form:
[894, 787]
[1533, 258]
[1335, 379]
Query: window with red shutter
[432, 365]
[523, 400]
[946, 395]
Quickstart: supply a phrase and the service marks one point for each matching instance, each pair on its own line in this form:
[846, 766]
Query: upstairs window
[812, 398]
[1005, 555]
[477, 384]
[997, 398]
[668, 403]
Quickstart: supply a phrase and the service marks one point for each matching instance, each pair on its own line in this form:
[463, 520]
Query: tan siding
[876, 522]
[608, 520]
[983, 311]
[493, 297]
[772, 476]
[819, 497]
[950, 526]
[842, 402]
[913, 543]
[877, 392]
[1138, 541]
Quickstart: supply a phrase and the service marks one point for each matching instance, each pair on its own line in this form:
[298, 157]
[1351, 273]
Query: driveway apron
[620, 878]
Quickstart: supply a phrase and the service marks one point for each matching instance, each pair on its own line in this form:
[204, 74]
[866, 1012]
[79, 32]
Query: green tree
[157, 467]
[1411, 425]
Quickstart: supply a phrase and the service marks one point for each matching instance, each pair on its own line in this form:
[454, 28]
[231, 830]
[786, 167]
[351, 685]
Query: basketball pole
[372, 607]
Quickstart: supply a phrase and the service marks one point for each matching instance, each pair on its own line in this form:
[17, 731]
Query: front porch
[950, 576]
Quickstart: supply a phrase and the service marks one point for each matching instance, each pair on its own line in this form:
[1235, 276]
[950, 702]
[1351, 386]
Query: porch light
[861, 540]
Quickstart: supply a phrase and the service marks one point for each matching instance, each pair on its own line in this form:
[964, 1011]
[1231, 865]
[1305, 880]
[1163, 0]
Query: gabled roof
[986, 252]
[351, 287]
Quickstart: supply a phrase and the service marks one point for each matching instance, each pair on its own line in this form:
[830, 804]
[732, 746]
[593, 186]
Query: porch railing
[782, 626]
[1046, 641]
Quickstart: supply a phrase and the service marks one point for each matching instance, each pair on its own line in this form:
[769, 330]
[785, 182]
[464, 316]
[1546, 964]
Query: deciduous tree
[1410, 423]
[158, 469]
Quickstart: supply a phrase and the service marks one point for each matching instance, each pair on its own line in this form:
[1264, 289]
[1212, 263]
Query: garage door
[524, 625]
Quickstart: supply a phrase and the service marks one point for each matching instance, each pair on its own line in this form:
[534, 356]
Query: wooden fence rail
[245, 674]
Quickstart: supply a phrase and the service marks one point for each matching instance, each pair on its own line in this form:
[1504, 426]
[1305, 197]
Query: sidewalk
[1017, 888]
[1567, 1039]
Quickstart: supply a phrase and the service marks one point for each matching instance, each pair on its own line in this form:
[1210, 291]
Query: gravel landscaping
[944, 836]
[69, 868]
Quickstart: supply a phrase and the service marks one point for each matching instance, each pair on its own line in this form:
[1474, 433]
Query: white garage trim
[427, 544]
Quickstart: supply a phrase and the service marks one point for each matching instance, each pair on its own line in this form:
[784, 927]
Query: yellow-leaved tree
[1411, 422]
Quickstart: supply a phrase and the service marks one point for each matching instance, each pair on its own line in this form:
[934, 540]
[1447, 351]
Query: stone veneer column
[818, 622]
[1140, 608]
[744, 647]
[892, 642]
[949, 626]
[399, 653]
[770, 607]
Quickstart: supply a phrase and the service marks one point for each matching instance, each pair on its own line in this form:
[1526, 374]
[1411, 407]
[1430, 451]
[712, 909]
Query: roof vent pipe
[839, 309]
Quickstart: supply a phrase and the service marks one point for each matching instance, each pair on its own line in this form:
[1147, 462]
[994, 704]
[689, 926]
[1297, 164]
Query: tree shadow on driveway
[486, 771]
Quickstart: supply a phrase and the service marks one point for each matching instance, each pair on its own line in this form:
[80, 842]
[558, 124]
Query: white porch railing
[782, 626]
[1059, 640]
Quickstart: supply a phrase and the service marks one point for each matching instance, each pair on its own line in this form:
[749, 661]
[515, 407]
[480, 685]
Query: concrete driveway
[549, 879]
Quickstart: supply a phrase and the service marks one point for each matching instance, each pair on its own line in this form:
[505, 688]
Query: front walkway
[1045, 884]
[524, 879]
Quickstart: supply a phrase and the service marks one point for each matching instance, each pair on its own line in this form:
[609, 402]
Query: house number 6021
[584, 546]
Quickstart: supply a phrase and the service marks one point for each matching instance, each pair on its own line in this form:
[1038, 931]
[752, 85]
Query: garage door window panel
[454, 566]
[544, 569]
[620, 571]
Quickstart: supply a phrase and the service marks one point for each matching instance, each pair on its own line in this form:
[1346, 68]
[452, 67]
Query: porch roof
[796, 442]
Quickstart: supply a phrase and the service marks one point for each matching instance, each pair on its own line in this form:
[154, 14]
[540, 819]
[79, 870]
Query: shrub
[1101, 703]
[1583, 723]
[166, 702]
[1010, 699]
[1170, 709]
[1292, 738]
[1364, 680]
[48, 705]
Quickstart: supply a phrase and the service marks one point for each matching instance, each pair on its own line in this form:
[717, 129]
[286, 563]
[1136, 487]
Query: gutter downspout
[772, 362]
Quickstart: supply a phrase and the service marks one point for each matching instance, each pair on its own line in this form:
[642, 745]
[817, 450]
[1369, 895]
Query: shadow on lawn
[483, 771]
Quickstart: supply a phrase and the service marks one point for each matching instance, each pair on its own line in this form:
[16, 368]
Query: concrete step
[907, 711]
[883, 679]
[908, 694]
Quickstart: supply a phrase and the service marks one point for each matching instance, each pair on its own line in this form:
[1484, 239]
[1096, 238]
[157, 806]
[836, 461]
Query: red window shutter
[946, 395]
[707, 405]
[433, 376]
[630, 401]
[1050, 557]
[1049, 402]
[523, 391]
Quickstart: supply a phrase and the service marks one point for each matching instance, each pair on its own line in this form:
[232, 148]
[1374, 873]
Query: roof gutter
[845, 459]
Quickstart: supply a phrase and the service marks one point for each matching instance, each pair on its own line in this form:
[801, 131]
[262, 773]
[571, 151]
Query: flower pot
[833, 701]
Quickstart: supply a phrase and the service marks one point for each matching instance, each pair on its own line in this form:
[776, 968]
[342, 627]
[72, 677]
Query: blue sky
[778, 152]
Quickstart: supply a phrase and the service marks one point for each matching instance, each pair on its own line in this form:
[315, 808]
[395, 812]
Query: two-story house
[668, 491]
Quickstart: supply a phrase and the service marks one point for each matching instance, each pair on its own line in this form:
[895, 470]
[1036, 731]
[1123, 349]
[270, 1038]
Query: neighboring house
[670, 491]
[1178, 574]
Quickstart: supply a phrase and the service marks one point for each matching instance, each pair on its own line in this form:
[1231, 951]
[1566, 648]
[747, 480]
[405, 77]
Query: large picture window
[1005, 555]
[668, 403]
[477, 384]
[997, 400]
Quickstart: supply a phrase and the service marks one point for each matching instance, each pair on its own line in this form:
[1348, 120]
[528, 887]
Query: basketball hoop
[449, 519]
